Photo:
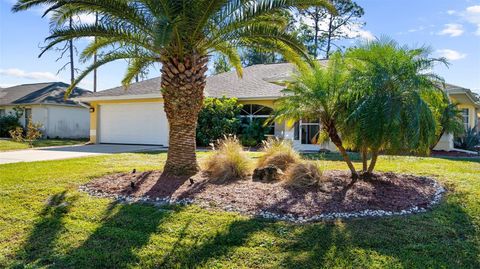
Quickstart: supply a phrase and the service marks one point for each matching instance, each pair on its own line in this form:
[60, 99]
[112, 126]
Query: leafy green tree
[179, 35]
[324, 28]
[218, 117]
[386, 109]
[254, 55]
[221, 65]
[320, 93]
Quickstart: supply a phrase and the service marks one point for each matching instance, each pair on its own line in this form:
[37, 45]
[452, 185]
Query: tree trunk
[335, 138]
[372, 162]
[329, 38]
[315, 39]
[364, 160]
[95, 59]
[70, 44]
[438, 139]
[183, 81]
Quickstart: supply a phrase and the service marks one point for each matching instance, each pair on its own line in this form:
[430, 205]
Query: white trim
[40, 104]
[468, 94]
[118, 97]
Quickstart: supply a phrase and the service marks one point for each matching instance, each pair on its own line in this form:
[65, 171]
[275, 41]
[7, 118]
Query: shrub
[218, 117]
[16, 134]
[254, 133]
[8, 123]
[303, 174]
[228, 162]
[33, 132]
[469, 140]
[279, 153]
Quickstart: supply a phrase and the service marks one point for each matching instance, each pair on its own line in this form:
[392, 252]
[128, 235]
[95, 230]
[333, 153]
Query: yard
[7, 144]
[46, 222]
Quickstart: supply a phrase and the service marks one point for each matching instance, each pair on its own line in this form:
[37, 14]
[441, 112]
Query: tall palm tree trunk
[183, 82]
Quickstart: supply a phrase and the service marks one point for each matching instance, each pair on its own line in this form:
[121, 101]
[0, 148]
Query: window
[465, 118]
[256, 113]
[28, 116]
[296, 131]
[306, 131]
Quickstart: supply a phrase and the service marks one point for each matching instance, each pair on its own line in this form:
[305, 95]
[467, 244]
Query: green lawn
[46, 222]
[6, 145]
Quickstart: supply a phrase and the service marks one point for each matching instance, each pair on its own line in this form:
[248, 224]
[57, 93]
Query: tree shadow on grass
[114, 243]
[444, 238]
[39, 247]
[218, 247]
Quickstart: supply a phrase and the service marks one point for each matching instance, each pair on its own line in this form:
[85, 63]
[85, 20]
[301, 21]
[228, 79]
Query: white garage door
[134, 123]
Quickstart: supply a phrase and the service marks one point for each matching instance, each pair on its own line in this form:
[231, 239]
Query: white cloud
[6, 85]
[452, 29]
[451, 12]
[451, 55]
[18, 73]
[354, 31]
[363, 34]
[472, 15]
[86, 18]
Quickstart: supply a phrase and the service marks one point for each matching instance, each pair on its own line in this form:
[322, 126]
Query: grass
[46, 222]
[7, 144]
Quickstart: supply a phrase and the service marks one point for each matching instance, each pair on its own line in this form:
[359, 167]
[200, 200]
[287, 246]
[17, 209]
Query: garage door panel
[136, 123]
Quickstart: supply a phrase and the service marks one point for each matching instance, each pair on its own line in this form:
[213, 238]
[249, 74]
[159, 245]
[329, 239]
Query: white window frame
[253, 115]
[466, 118]
[301, 123]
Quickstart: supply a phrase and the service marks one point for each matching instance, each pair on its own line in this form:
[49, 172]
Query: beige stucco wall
[472, 110]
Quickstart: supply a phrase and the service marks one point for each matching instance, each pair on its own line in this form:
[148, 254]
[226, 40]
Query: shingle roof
[259, 81]
[38, 93]
[256, 83]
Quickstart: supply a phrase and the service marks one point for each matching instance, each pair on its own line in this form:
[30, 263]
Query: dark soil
[337, 192]
[440, 153]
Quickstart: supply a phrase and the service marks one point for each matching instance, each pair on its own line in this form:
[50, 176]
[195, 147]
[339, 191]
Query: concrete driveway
[67, 152]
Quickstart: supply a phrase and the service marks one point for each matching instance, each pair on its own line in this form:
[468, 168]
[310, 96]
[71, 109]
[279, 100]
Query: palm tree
[387, 110]
[320, 93]
[448, 116]
[180, 35]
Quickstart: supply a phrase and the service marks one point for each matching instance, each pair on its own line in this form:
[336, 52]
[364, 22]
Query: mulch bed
[384, 191]
[440, 153]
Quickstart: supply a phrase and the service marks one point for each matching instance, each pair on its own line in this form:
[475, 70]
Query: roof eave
[116, 97]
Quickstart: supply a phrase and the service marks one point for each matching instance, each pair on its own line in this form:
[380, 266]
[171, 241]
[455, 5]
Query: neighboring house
[44, 103]
[136, 116]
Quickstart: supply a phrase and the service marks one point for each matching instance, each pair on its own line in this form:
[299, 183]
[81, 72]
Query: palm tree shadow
[38, 249]
[126, 229]
[410, 241]
[215, 248]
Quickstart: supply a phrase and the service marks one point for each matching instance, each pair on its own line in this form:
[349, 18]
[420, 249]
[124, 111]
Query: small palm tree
[320, 93]
[387, 110]
[180, 35]
[447, 115]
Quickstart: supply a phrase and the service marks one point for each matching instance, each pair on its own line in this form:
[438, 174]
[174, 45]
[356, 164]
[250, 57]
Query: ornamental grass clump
[303, 174]
[279, 153]
[228, 162]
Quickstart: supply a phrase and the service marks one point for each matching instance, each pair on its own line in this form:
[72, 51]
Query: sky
[451, 28]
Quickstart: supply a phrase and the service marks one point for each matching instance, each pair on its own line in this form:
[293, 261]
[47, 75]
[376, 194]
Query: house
[44, 103]
[469, 105]
[135, 115]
